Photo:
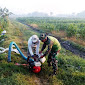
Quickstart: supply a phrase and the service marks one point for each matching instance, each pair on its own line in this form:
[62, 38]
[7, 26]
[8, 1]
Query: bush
[71, 30]
[82, 33]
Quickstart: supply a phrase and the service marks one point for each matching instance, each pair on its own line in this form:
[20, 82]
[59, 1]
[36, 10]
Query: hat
[42, 36]
[35, 39]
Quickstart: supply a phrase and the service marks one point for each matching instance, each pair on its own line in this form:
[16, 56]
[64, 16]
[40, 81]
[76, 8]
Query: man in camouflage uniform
[54, 48]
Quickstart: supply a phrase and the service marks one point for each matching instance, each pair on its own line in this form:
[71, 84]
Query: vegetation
[72, 26]
[71, 69]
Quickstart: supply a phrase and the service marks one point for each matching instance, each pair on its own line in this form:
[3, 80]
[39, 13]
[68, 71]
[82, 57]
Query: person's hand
[40, 52]
[34, 58]
[32, 55]
[42, 56]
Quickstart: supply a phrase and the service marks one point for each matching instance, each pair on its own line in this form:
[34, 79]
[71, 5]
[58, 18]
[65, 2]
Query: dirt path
[65, 44]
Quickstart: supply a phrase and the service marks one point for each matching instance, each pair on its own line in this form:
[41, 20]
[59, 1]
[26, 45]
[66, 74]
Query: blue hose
[9, 52]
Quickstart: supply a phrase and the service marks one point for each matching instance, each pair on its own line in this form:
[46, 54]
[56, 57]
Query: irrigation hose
[9, 52]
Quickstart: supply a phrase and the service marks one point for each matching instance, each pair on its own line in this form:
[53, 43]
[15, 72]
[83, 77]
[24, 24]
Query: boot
[54, 73]
[49, 62]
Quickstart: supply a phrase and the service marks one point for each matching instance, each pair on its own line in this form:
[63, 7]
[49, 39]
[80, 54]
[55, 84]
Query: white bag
[42, 60]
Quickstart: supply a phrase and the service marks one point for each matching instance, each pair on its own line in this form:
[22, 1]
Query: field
[71, 67]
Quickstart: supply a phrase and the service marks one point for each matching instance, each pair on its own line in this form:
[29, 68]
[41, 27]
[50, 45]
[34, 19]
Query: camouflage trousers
[52, 60]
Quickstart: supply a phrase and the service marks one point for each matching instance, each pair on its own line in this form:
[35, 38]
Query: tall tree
[4, 13]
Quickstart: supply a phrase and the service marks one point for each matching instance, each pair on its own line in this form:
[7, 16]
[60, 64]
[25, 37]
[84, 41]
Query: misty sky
[46, 6]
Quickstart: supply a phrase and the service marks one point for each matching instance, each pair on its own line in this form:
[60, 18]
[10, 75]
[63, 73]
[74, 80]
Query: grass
[71, 69]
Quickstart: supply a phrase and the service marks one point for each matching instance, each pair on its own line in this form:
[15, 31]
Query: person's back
[55, 42]
[33, 46]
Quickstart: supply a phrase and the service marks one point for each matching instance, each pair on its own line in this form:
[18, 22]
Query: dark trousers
[52, 61]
